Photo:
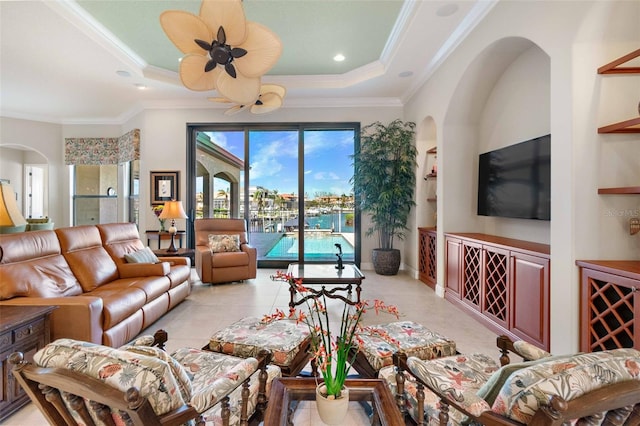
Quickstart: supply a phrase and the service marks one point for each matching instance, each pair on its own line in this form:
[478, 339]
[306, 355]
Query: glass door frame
[191, 147]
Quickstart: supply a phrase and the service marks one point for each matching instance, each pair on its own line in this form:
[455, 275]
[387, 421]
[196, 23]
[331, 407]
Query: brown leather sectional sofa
[100, 297]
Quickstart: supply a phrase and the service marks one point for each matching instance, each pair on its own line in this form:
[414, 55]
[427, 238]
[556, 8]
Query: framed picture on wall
[164, 186]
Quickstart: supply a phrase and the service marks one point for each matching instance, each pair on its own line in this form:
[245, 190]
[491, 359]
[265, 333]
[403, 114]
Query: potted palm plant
[384, 179]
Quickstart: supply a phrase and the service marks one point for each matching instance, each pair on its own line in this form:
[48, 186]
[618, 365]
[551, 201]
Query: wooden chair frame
[613, 405]
[46, 388]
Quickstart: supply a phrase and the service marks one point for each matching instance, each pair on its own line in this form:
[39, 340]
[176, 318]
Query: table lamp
[10, 215]
[173, 210]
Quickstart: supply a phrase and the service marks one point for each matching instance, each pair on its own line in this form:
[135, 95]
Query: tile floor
[210, 308]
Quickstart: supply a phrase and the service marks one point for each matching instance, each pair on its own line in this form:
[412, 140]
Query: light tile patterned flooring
[210, 308]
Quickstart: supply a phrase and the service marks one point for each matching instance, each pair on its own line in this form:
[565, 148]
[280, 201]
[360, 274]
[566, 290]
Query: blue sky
[274, 159]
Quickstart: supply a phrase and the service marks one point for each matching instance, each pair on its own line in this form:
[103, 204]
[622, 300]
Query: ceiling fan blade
[240, 90]
[273, 88]
[228, 14]
[194, 77]
[182, 28]
[263, 51]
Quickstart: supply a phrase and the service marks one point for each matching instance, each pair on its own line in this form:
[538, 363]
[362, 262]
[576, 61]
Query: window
[290, 182]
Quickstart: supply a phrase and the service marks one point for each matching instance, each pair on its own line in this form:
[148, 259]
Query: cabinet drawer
[6, 340]
[24, 332]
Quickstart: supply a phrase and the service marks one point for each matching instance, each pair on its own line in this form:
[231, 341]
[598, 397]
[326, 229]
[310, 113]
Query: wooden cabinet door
[454, 267]
[495, 285]
[609, 305]
[530, 298]
[427, 256]
[471, 290]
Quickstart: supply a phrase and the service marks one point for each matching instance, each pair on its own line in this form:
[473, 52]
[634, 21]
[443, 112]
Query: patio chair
[74, 382]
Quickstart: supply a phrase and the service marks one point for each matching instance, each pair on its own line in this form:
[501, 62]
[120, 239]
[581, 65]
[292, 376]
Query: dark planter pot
[386, 261]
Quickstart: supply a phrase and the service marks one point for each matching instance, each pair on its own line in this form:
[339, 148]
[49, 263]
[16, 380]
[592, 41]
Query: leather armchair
[221, 267]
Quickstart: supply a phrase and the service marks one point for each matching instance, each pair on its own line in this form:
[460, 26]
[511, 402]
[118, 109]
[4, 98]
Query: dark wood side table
[25, 329]
[326, 275]
[159, 236]
[182, 252]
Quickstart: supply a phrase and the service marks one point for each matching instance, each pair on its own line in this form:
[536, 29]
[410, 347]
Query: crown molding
[78, 17]
[468, 24]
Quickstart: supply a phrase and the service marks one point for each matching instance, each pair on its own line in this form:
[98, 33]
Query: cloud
[326, 176]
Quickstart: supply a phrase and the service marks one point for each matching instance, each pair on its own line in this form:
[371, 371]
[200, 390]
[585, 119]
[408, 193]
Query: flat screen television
[515, 181]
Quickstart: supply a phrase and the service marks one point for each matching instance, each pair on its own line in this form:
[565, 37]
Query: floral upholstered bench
[287, 341]
[378, 343]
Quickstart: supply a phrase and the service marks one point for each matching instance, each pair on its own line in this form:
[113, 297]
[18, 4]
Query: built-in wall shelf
[613, 67]
[621, 190]
[627, 126]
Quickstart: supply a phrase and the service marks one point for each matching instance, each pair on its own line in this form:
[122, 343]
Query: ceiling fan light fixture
[223, 51]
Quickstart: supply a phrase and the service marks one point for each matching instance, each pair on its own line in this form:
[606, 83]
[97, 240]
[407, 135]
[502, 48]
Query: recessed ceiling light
[404, 74]
[140, 86]
[123, 73]
[339, 57]
[447, 10]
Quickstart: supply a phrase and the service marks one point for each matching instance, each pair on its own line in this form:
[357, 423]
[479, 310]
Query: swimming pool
[317, 245]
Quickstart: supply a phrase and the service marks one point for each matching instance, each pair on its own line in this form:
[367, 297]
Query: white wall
[468, 94]
[46, 139]
[163, 139]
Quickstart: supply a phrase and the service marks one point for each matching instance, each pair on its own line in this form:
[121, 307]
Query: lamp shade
[9, 213]
[173, 210]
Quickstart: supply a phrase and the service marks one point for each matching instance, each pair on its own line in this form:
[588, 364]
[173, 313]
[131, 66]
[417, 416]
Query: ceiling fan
[225, 52]
[270, 99]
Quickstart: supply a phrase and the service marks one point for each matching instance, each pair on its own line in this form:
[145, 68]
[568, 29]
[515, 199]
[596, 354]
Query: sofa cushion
[120, 369]
[32, 266]
[566, 376]
[144, 255]
[214, 374]
[248, 336]
[119, 302]
[220, 243]
[183, 378]
[120, 239]
[89, 261]
[459, 377]
[529, 351]
[229, 259]
[380, 342]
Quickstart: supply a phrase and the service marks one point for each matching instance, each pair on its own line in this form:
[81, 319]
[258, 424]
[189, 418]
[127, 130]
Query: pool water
[317, 245]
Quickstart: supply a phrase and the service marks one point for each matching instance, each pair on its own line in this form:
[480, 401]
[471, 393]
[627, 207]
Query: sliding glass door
[290, 182]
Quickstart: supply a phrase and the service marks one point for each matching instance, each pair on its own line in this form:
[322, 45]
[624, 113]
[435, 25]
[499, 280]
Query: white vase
[332, 411]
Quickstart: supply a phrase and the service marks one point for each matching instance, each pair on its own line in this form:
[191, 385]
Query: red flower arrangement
[331, 352]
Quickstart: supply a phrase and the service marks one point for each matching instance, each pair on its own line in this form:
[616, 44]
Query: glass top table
[325, 275]
[286, 393]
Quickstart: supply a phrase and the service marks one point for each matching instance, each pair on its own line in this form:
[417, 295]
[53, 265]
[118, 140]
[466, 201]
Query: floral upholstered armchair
[74, 382]
[587, 388]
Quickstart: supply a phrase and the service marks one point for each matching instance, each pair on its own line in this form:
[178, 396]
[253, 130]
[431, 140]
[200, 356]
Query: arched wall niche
[426, 139]
[15, 162]
[503, 98]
